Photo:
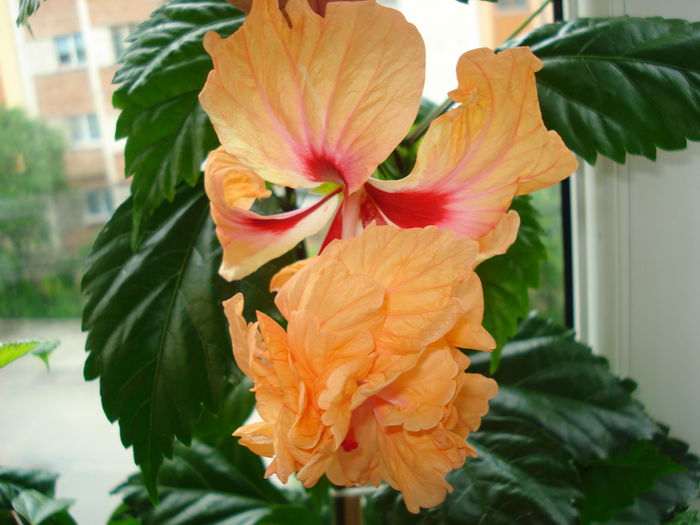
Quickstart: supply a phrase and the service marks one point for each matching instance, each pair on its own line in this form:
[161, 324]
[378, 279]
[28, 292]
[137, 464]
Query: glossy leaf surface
[162, 71]
[507, 278]
[614, 86]
[158, 339]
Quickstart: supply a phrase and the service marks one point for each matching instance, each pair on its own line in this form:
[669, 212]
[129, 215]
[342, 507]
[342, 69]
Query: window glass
[70, 49]
[79, 48]
[75, 128]
[93, 126]
[62, 46]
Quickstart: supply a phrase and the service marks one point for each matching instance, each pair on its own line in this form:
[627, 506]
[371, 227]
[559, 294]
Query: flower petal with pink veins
[498, 240]
[302, 99]
[249, 240]
[474, 159]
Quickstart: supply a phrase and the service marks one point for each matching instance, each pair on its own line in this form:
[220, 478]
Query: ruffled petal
[285, 274]
[474, 159]
[498, 240]
[340, 299]
[258, 437]
[471, 402]
[249, 240]
[416, 463]
[419, 271]
[301, 99]
[468, 332]
[417, 399]
[253, 359]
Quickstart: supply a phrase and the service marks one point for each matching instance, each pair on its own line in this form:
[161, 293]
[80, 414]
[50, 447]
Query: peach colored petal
[471, 402]
[420, 270]
[417, 399]
[280, 278]
[252, 358]
[468, 332]
[339, 299]
[330, 364]
[498, 240]
[249, 240]
[416, 463]
[474, 159]
[357, 462]
[326, 99]
[257, 437]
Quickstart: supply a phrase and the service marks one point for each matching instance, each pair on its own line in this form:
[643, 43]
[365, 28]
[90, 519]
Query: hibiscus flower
[367, 384]
[303, 100]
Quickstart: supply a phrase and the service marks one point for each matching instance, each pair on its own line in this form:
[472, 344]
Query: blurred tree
[31, 170]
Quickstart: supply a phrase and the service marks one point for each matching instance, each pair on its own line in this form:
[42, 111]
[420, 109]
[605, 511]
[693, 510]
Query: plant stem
[528, 20]
[16, 517]
[422, 127]
[347, 507]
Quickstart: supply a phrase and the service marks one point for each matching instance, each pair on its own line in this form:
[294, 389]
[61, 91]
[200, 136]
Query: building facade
[61, 72]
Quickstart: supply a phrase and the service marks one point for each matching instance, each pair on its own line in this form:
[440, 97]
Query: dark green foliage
[619, 85]
[162, 72]
[507, 278]
[614, 484]
[158, 338]
[29, 494]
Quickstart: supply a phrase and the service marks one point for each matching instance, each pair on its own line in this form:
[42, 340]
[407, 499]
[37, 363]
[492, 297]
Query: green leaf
[168, 134]
[14, 481]
[521, 475]
[686, 517]
[26, 9]
[202, 484]
[12, 351]
[157, 335]
[290, 515]
[506, 278]
[557, 383]
[671, 492]
[619, 85]
[37, 508]
[613, 484]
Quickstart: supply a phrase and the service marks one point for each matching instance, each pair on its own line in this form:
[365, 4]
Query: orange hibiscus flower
[303, 100]
[366, 384]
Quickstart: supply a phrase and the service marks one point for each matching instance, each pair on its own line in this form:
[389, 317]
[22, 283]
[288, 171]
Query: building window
[98, 204]
[119, 37]
[70, 49]
[83, 129]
